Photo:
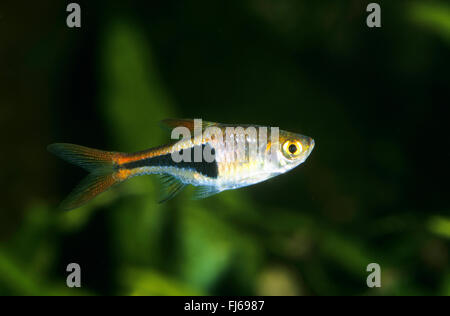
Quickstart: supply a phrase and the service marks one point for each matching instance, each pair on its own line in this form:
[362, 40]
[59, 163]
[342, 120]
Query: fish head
[293, 149]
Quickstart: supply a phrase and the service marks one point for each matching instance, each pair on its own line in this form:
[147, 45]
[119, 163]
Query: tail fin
[100, 164]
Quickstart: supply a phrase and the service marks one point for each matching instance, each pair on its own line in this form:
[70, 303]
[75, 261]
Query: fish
[213, 157]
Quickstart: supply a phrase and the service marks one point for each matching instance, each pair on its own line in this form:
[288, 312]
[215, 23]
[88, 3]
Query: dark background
[375, 188]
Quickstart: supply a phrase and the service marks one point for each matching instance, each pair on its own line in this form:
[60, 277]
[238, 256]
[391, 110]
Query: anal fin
[172, 187]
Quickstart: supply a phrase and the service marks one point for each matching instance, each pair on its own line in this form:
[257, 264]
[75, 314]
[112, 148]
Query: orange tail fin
[101, 165]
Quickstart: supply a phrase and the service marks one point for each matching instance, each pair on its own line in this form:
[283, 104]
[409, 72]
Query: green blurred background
[375, 189]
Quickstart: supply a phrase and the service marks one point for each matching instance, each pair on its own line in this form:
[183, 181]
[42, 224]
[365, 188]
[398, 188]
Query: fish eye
[292, 149]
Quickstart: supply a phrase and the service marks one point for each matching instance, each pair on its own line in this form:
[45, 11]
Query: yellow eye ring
[292, 149]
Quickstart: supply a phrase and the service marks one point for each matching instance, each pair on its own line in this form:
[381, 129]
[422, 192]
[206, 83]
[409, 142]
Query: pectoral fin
[202, 192]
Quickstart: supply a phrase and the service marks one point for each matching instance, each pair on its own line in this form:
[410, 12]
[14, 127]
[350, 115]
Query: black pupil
[292, 148]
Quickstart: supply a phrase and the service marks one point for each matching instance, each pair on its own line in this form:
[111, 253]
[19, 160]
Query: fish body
[215, 158]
